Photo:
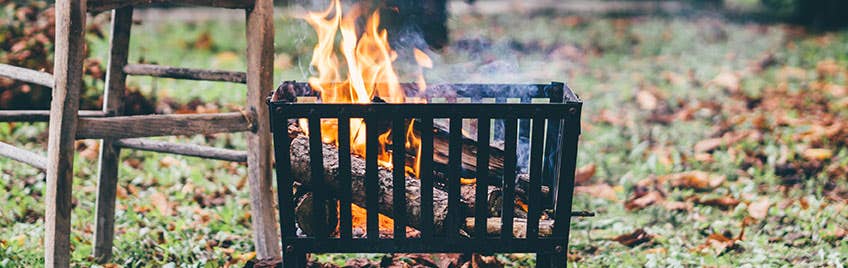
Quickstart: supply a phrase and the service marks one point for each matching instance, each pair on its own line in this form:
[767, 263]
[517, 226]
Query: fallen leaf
[168, 161]
[727, 80]
[828, 67]
[643, 201]
[584, 174]
[656, 251]
[160, 201]
[480, 261]
[723, 203]
[817, 154]
[677, 206]
[698, 180]
[646, 100]
[601, 190]
[759, 209]
[635, 238]
[708, 145]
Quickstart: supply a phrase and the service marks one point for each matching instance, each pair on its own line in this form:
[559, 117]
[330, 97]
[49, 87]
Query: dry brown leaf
[601, 190]
[88, 149]
[635, 238]
[698, 180]
[817, 154]
[759, 209]
[708, 145]
[584, 174]
[168, 161]
[643, 201]
[727, 80]
[480, 261]
[723, 203]
[646, 100]
[828, 67]
[717, 242]
[160, 201]
[677, 206]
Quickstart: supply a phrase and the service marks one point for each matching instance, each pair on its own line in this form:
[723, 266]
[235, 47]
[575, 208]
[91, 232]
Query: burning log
[519, 230]
[301, 171]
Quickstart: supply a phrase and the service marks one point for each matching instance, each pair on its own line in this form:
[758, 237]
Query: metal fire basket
[552, 126]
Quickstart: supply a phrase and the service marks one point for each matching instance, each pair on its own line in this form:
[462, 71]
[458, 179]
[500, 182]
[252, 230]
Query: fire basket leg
[550, 260]
[293, 260]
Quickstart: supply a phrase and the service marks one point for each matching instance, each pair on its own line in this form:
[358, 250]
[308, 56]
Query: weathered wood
[26, 75]
[183, 149]
[23, 156]
[519, 230]
[68, 61]
[104, 5]
[38, 115]
[186, 73]
[138, 126]
[107, 181]
[260, 79]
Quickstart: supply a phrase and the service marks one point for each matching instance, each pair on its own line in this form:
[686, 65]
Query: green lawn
[654, 88]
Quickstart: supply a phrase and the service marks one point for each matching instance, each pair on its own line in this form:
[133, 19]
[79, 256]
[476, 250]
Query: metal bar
[454, 170]
[399, 177]
[473, 91]
[425, 174]
[481, 209]
[436, 245]
[534, 208]
[437, 110]
[371, 183]
[565, 189]
[510, 150]
[23, 156]
[282, 154]
[183, 149]
[319, 196]
[38, 115]
[345, 218]
[185, 73]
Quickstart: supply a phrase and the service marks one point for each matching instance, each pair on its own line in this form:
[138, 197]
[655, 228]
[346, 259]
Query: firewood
[519, 230]
[301, 172]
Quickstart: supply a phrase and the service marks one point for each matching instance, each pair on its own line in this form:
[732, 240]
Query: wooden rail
[121, 127]
[38, 115]
[23, 156]
[104, 5]
[183, 149]
[185, 73]
[26, 75]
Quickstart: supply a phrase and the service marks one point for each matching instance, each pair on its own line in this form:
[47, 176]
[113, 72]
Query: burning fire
[366, 72]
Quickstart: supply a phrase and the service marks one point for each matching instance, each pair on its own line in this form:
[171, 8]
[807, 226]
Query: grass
[607, 61]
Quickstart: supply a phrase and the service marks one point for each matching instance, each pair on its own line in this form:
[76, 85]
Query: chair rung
[23, 156]
[104, 5]
[38, 115]
[183, 149]
[26, 75]
[138, 126]
[185, 73]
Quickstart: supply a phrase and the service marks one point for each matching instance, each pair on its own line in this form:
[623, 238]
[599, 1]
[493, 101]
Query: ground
[714, 142]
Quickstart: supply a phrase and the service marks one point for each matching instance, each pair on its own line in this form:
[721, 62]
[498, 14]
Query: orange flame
[366, 72]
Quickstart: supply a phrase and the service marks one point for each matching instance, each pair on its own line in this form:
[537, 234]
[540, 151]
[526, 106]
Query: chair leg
[260, 71]
[110, 155]
[67, 72]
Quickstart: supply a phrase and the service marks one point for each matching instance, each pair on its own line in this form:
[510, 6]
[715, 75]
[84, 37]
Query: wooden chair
[67, 123]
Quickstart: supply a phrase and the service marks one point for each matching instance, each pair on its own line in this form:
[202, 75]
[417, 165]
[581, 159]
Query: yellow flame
[368, 73]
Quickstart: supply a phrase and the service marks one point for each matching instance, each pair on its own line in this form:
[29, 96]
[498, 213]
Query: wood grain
[186, 73]
[26, 75]
[68, 61]
[23, 156]
[107, 180]
[183, 149]
[38, 115]
[260, 79]
[104, 5]
[120, 127]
